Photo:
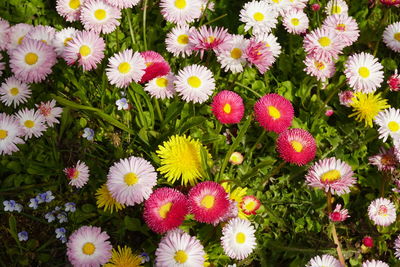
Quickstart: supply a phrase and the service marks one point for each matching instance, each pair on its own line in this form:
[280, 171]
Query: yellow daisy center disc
[324, 41]
[3, 134]
[14, 91]
[67, 40]
[162, 82]
[227, 108]
[208, 201]
[210, 39]
[88, 248]
[364, 72]
[276, 1]
[31, 58]
[336, 9]
[183, 39]
[163, 211]
[130, 178]
[319, 65]
[240, 238]
[194, 81]
[250, 206]
[84, 50]
[341, 27]
[21, 39]
[124, 67]
[236, 53]
[258, 16]
[295, 21]
[181, 256]
[393, 126]
[100, 14]
[181, 4]
[75, 175]
[297, 146]
[330, 176]
[74, 4]
[29, 123]
[397, 36]
[274, 112]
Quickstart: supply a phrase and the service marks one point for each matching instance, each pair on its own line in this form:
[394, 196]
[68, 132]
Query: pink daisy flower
[227, 107]
[62, 38]
[339, 214]
[250, 205]
[236, 158]
[332, 175]
[17, 34]
[323, 44]
[32, 61]
[391, 2]
[177, 41]
[123, 3]
[50, 112]
[99, 16]
[382, 212]
[394, 82]
[345, 27]
[14, 92]
[208, 201]
[374, 263]
[32, 122]
[320, 69]
[156, 66]
[181, 11]
[87, 48]
[165, 209]
[346, 97]
[296, 146]
[89, 246]
[42, 33]
[125, 67]
[324, 260]
[274, 112]
[4, 34]
[385, 160]
[295, 21]
[70, 9]
[208, 38]
[161, 87]
[271, 42]
[78, 175]
[259, 54]
[397, 247]
[10, 134]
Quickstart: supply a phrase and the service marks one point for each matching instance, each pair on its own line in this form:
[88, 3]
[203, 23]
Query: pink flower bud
[368, 241]
[315, 7]
[329, 112]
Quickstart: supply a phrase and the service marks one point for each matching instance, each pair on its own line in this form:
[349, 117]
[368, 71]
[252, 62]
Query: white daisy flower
[280, 5]
[382, 212]
[177, 41]
[295, 21]
[32, 122]
[161, 87]
[320, 69]
[123, 3]
[62, 38]
[17, 34]
[345, 27]
[12, 91]
[260, 16]
[50, 112]
[391, 36]
[98, 16]
[78, 175]
[42, 33]
[364, 72]
[238, 239]
[195, 83]
[4, 37]
[233, 59]
[270, 41]
[181, 11]
[374, 263]
[336, 7]
[69, 9]
[298, 4]
[324, 260]
[10, 133]
[389, 124]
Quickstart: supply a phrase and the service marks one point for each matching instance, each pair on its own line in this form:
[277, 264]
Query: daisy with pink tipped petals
[259, 54]
[100, 17]
[131, 180]
[389, 124]
[4, 34]
[374, 263]
[382, 212]
[125, 67]
[385, 160]
[209, 38]
[177, 41]
[32, 61]
[339, 214]
[208, 202]
[232, 59]
[336, 7]
[165, 209]
[250, 205]
[181, 11]
[363, 72]
[296, 146]
[86, 48]
[345, 27]
[391, 36]
[62, 38]
[156, 66]
[331, 175]
[89, 246]
[123, 3]
[69, 9]
[274, 112]
[78, 175]
[271, 42]
[10, 134]
[161, 87]
[238, 238]
[323, 44]
[259, 16]
[17, 34]
[322, 70]
[50, 112]
[32, 122]
[280, 5]
[324, 260]
[295, 21]
[14, 92]
[42, 33]
[298, 4]
[397, 247]
[346, 97]
[227, 107]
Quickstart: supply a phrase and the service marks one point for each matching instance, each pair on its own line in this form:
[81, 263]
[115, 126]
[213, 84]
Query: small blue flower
[122, 104]
[88, 134]
[145, 257]
[57, 208]
[62, 217]
[49, 217]
[11, 205]
[34, 203]
[60, 232]
[63, 239]
[70, 206]
[45, 197]
[23, 236]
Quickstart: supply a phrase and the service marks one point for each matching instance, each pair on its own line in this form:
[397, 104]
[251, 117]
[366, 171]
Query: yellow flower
[181, 159]
[105, 199]
[236, 195]
[367, 106]
[124, 258]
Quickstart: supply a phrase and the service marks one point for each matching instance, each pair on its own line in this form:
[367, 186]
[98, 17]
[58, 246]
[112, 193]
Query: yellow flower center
[240, 238]
[276, 1]
[341, 27]
[67, 40]
[227, 108]
[21, 39]
[250, 206]
[258, 16]
[75, 175]
[210, 39]
[124, 67]
[130, 178]
[295, 21]
[331, 176]
[31, 58]
[319, 65]
[336, 9]
[100, 14]
[162, 82]
[364, 72]
[74, 4]
[181, 256]
[324, 41]
[236, 53]
[393, 126]
[85, 50]
[274, 112]
[29, 123]
[163, 211]
[88, 248]
[397, 36]
[194, 81]
[14, 91]
[297, 146]
[181, 4]
[208, 201]
[3, 134]
[183, 39]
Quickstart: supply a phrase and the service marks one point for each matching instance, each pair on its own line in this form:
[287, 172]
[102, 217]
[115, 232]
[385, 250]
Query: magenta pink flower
[315, 7]
[346, 97]
[228, 107]
[339, 214]
[385, 160]
[156, 66]
[329, 112]
[259, 54]
[345, 27]
[394, 82]
[368, 241]
[208, 38]
[323, 44]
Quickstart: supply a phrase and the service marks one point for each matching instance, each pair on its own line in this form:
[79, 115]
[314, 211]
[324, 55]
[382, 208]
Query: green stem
[255, 144]
[274, 172]
[248, 88]
[334, 233]
[216, 19]
[136, 100]
[144, 24]
[204, 12]
[158, 110]
[128, 14]
[255, 169]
